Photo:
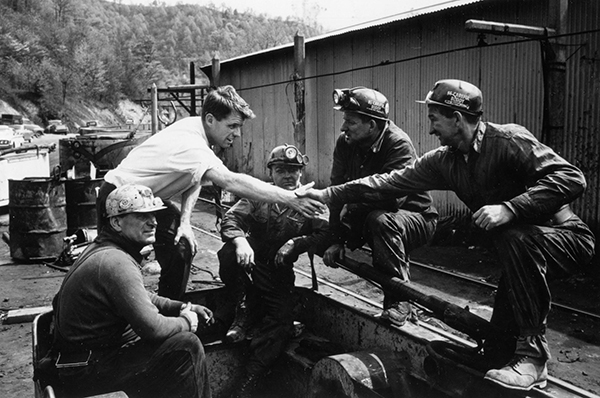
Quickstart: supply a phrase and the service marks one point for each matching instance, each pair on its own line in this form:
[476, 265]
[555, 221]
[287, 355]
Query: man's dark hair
[449, 112]
[221, 101]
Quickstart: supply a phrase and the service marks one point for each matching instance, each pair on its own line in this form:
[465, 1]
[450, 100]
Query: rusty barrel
[37, 218]
[81, 203]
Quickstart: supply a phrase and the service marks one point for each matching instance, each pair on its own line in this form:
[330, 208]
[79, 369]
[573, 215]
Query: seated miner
[262, 242]
[113, 335]
[370, 143]
[519, 191]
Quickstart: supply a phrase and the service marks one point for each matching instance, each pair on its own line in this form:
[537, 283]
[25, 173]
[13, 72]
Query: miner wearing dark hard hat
[261, 243]
[370, 144]
[519, 191]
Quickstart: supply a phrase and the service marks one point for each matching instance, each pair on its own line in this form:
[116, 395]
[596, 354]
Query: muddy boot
[237, 330]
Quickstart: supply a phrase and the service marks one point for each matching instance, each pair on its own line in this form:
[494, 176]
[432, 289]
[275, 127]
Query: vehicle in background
[92, 123]
[9, 139]
[7, 119]
[56, 126]
[20, 129]
[37, 130]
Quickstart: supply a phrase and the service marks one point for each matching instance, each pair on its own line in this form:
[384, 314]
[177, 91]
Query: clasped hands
[308, 201]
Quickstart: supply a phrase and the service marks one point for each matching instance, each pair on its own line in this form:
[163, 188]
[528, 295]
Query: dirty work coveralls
[270, 292]
[392, 227]
[169, 163]
[506, 165]
[138, 342]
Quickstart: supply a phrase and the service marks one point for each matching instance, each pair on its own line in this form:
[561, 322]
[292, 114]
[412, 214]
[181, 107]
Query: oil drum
[81, 203]
[37, 218]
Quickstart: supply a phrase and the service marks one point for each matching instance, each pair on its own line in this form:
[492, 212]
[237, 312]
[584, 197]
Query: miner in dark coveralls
[371, 143]
[519, 191]
[262, 242]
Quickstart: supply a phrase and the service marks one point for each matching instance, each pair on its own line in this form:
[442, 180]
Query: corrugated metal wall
[403, 60]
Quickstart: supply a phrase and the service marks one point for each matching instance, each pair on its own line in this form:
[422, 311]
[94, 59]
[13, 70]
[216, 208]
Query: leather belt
[563, 215]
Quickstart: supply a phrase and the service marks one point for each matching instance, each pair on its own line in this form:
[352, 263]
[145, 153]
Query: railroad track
[556, 387]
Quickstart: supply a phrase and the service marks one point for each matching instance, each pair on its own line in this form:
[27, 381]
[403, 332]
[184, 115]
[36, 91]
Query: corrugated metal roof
[366, 25]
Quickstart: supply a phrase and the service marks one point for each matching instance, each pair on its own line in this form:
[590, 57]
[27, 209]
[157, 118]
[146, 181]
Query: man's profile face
[286, 176]
[223, 132]
[446, 129]
[138, 227]
[355, 130]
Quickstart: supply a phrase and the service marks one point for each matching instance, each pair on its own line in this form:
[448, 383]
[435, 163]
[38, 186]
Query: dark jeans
[392, 236]
[531, 255]
[175, 260]
[270, 301]
[173, 368]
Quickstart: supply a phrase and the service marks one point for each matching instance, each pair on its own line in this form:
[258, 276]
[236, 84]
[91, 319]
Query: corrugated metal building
[402, 57]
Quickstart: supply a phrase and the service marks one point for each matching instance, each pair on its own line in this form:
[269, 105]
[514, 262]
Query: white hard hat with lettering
[132, 198]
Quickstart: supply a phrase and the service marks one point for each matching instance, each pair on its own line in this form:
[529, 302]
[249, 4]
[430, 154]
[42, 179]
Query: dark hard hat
[456, 94]
[362, 100]
[287, 154]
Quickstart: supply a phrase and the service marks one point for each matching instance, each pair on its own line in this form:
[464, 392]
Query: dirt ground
[575, 343]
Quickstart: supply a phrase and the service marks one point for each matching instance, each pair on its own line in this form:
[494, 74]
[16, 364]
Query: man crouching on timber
[130, 340]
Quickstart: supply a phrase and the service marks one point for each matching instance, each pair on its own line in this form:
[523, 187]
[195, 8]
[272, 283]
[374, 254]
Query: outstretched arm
[252, 188]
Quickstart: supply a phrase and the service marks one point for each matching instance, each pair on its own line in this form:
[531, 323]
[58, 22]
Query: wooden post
[154, 108]
[216, 70]
[556, 79]
[193, 91]
[299, 65]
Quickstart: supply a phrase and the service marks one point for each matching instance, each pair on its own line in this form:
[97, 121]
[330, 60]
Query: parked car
[20, 129]
[56, 127]
[37, 130]
[9, 139]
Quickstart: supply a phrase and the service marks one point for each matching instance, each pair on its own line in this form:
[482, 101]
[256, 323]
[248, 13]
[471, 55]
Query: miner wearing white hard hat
[110, 333]
[370, 143]
[518, 190]
[261, 243]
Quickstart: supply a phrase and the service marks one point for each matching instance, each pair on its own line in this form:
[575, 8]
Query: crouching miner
[262, 242]
[110, 333]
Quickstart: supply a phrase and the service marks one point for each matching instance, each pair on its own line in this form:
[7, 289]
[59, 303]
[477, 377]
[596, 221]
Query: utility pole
[299, 65]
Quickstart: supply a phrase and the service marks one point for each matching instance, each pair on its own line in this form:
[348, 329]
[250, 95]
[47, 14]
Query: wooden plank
[23, 315]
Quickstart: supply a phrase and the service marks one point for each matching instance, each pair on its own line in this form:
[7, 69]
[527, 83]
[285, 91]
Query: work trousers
[530, 256]
[392, 236]
[175, 259]
[270, 303]
[174, 368]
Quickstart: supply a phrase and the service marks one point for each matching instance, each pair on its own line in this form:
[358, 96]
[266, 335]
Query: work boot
[237, 330]
[397, 313]
[521, 373]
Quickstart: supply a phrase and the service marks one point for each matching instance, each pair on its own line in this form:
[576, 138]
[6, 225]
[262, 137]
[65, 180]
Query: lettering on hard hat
[457, 99]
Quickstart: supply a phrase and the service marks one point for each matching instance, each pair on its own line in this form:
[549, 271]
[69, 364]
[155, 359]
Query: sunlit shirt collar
[476, 144]
[376, 147]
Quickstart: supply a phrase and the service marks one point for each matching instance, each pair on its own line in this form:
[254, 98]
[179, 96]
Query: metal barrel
[37, 218]
[81, 203]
